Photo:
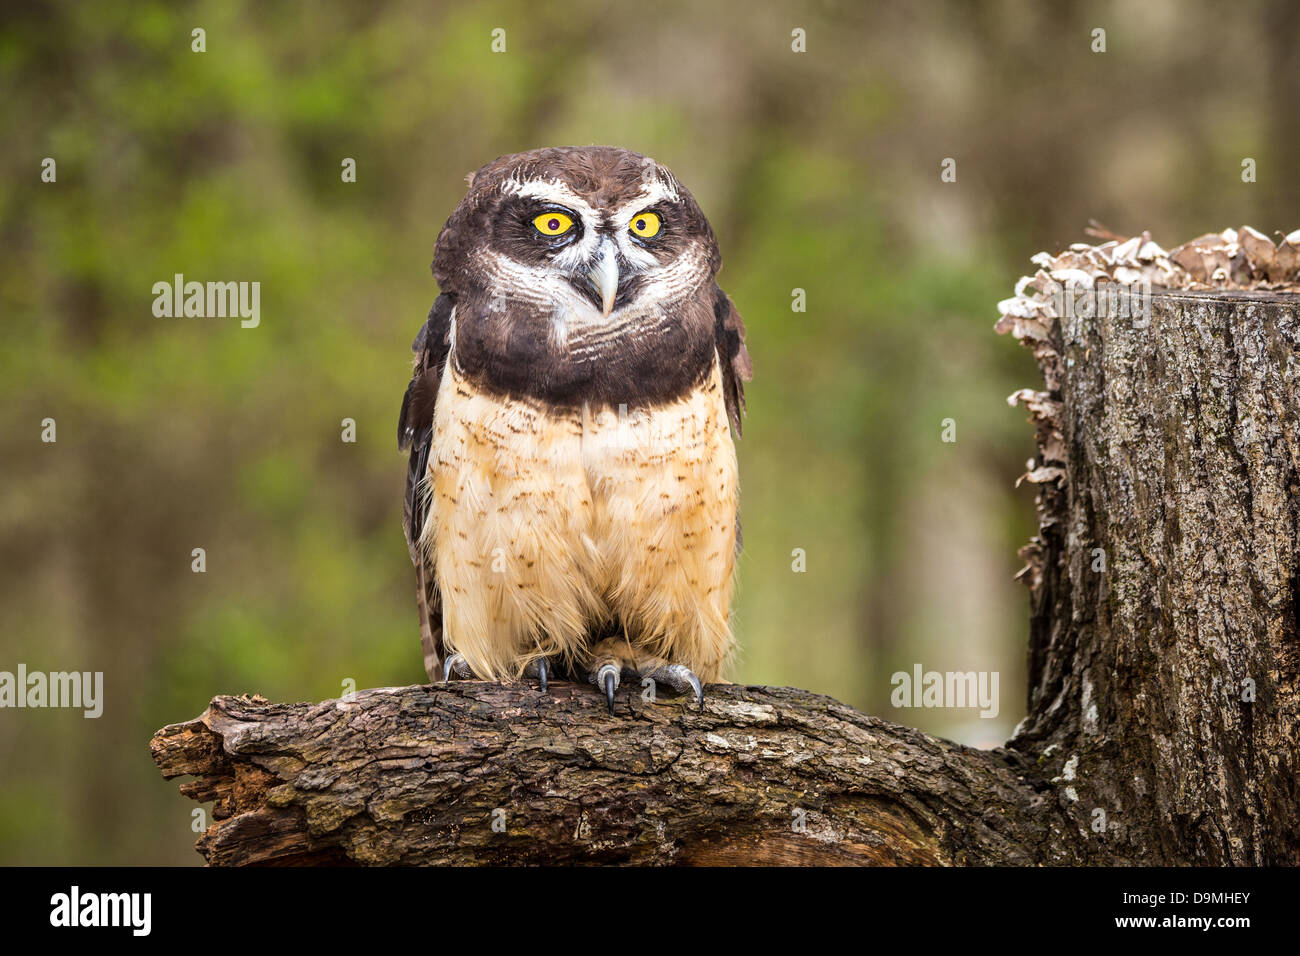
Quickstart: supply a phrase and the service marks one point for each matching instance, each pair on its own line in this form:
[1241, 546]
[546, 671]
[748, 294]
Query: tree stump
[1164, 679]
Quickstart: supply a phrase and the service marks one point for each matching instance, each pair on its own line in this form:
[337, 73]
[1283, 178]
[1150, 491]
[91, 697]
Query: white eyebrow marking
[557, 191]
[551, 190]
[650, 194]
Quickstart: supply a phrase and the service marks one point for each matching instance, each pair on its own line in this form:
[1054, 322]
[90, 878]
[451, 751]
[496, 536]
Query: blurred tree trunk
[1283, 93]
[1163, 695]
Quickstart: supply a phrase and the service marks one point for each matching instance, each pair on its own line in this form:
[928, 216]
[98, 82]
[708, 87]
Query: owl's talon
[458, 664]
[680, 678]
[540, 669]
[607, 676]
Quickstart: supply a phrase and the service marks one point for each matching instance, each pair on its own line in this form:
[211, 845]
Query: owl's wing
[734, 357]
[729, 331]
[415, 428]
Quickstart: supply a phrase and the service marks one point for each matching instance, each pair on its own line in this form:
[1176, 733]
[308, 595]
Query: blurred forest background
[819, 170]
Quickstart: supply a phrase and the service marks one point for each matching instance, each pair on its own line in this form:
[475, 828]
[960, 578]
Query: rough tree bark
[763, 775]
[1164, 690]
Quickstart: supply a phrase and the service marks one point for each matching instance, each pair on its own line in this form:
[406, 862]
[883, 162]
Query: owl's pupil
[640, 224]
[552, 224]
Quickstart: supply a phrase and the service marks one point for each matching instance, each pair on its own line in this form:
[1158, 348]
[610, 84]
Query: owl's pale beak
[604, 274]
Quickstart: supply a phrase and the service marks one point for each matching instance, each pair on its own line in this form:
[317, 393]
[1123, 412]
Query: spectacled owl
[571, 502]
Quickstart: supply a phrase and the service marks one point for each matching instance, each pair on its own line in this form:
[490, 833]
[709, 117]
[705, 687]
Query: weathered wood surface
[413, 775]
[1164, 684]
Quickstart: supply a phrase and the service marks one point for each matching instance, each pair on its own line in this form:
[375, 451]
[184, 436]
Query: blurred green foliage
[819, 170]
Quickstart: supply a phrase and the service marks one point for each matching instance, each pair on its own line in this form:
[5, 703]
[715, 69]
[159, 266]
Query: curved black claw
[610, 684]
[680, 678]
[458, 664]
[540, 668]
[607, 677]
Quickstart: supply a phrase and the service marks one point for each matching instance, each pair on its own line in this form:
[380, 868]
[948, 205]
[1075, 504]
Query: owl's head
[589, 234]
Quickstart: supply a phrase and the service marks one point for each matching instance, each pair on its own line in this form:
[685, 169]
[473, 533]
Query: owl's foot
[541, 669]
[456, 664]
[613, 659]
[681, 679]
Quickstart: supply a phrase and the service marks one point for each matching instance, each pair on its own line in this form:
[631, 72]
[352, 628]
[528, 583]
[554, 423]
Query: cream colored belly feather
[545, 526]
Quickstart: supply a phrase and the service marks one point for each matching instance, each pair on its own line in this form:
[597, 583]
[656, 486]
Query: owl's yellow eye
[552, 223]
[645, 224]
